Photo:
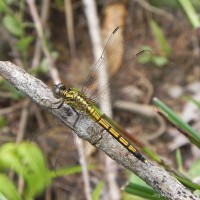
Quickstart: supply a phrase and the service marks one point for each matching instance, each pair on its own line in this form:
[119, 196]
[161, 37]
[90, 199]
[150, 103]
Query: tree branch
[86, 128]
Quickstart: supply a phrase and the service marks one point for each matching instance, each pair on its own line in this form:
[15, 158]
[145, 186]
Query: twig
[70, 26]
[87, 129]
[18, 106]
[93, 24]
[44, 16]
[22, 124]
[41, 35]
[45, 11]
[155, 10]
[83, 162]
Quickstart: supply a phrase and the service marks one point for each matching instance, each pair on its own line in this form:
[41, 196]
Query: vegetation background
[53, 40]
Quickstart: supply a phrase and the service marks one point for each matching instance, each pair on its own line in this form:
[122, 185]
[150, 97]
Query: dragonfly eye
[57, 88]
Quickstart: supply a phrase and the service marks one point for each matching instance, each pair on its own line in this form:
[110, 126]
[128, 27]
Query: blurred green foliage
[9, 192]
[14, 93]
[172, 3]
[13, 25]
[158, 61]
[3, 122]
[27, 161]
[190, 12]
[96, 193]
[137, 187]
[193, 100]
[14, 22]
[188, 131]
[164, 48]
[160, 39]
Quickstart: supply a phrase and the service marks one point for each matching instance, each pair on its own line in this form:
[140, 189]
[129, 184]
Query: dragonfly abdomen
[114, 133]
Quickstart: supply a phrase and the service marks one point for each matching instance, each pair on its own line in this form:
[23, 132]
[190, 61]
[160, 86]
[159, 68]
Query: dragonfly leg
[60, 103]
[78, 117]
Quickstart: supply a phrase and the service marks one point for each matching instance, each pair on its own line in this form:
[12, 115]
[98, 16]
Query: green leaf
[146, 57]
[23, 44]
[65, 171]
[3, 6]
[194, 170]
[96, 193]
[13, 25]
[2, 197]
[8, 189]
[9, 158]
[160, 38]
[159, 61]
[26, 160]
[10, 1]
[35, 171]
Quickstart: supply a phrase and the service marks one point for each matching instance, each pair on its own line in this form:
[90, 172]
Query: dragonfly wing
[59, 146]
[125, 81]
[127, 75]
[51, 141]
[115, 40]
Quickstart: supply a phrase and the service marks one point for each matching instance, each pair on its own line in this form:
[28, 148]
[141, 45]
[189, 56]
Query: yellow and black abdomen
[114, 133]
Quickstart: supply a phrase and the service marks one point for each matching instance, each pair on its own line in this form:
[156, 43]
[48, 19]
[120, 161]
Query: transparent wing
[114, 40]
[125, 80]
[59, 146]
[58, 143]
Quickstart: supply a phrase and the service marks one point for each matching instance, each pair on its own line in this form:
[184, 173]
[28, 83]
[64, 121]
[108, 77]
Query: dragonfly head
[57, 90]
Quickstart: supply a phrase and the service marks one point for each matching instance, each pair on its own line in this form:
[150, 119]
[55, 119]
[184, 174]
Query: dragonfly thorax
[71, 96]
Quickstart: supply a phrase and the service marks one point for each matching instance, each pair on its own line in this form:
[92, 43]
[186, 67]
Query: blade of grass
[190, 185]
[97, 191]
[66, 171]
[179, 160]
[8, 189]
[138, 187]
[143, 191]
[160, 38]
[197, 103]
[192, 135]
[190, 12]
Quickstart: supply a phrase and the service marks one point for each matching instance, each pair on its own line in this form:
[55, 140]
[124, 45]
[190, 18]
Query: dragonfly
[79, 100]
[86, 99]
